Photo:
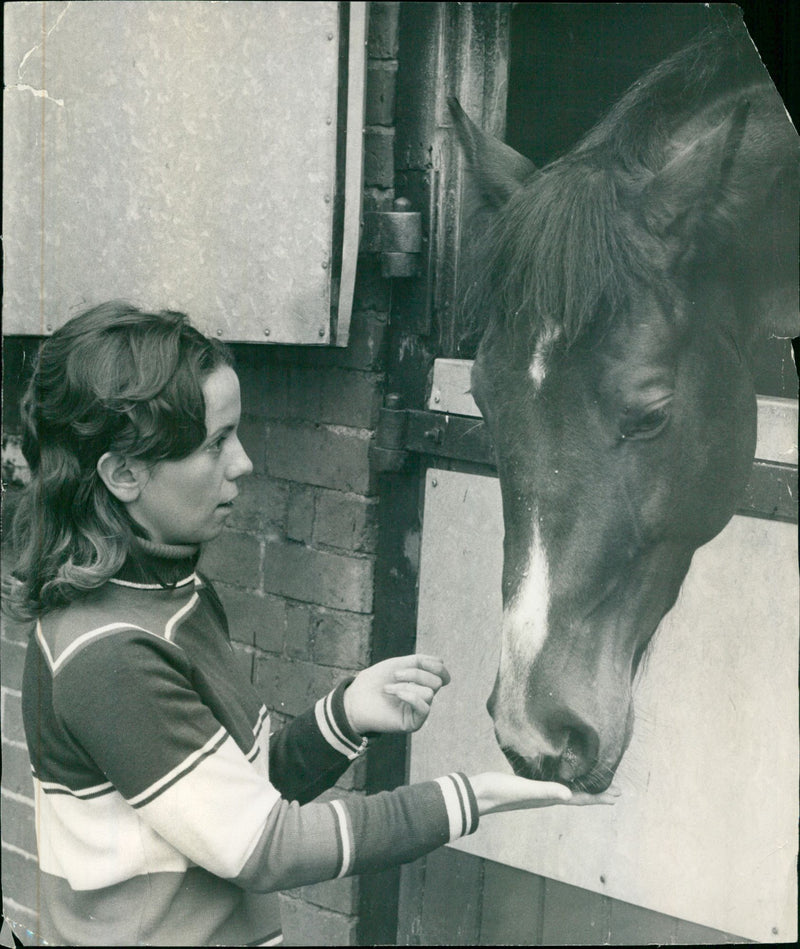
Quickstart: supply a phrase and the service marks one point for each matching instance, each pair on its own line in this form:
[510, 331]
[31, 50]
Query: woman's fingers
[419, 696]
[419, 677]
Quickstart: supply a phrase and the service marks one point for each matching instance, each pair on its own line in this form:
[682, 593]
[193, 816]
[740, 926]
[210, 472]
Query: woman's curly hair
[114, 378]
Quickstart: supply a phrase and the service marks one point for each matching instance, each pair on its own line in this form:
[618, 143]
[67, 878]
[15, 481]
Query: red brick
[298, 640]
[347, 521]
[11, 715]
[12, 662]
[318, 576]
[381, 85]
[17, 770]
[341, 896]
[300, 514]
[291, 686]
[307, 925]
[327, 456]
[254, 619]
[233, 558]
[305, 393]
[11, 629]
[351, 398]
[251, 435]
[383, 30]
[244, 657]
[20, 876]
[342, 639]
[19, 828]
[261, 505]
[263, 383]
[379, 157]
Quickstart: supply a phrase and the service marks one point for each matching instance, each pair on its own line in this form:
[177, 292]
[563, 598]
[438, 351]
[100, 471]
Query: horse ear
[691, 186]
[498, 169]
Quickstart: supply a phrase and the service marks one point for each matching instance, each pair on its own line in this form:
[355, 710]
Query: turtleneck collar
[163, 564]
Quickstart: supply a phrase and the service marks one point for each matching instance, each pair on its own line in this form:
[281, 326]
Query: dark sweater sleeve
[308, 756]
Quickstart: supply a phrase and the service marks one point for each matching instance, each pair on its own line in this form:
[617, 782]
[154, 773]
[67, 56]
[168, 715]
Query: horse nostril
[579, 755]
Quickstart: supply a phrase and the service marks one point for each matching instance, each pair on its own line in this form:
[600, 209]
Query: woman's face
[188, 501]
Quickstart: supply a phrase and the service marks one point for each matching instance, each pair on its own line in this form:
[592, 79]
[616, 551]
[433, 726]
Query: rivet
[322, 331]
[49, 327]
[434, 482]
[328, 121]
[219, 332]
[330, 36]
[437, 397]
[327, 199]
[602, 878]
[266, 331]
[774, 930]
[324, 264]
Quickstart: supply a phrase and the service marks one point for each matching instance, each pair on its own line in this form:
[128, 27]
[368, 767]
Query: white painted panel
[176, 154]
[706, 827]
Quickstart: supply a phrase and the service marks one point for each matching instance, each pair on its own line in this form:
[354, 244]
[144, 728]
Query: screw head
[266, 331]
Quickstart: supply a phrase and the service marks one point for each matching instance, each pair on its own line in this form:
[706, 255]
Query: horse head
[621, 288]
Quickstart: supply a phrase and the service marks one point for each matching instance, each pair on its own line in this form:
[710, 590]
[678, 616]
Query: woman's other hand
[394, 695]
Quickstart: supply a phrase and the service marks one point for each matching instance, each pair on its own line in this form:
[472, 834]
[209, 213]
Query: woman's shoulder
[114, 616]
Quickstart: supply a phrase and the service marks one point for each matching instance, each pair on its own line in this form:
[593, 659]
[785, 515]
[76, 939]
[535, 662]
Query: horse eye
[646, 424]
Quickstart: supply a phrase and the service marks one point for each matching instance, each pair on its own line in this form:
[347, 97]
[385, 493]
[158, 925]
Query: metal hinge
[395, 235]
[404, 433]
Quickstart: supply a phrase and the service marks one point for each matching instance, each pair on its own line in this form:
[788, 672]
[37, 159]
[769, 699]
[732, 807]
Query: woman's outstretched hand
[496, 791]
[394, 695]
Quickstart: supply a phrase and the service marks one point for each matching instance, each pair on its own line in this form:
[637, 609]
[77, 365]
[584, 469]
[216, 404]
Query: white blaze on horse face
[538, 367]
[524, 633]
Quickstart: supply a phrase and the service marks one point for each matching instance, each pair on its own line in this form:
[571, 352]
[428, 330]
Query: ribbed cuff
[332, 722]
[461, 804]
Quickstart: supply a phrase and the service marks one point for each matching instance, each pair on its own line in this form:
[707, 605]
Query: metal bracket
[395, 235]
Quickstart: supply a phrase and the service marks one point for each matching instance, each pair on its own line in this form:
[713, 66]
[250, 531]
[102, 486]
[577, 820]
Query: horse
[619, 290]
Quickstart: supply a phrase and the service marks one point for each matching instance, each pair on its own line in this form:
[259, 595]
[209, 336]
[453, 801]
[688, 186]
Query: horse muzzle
[558, 740]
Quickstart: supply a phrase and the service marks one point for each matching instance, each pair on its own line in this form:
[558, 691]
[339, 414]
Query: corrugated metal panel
[705, 829]
[176, 154]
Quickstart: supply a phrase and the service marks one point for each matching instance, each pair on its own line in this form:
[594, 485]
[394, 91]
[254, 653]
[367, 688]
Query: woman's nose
[240, 464]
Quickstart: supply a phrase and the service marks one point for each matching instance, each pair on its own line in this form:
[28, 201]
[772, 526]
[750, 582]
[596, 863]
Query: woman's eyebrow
[222, 430]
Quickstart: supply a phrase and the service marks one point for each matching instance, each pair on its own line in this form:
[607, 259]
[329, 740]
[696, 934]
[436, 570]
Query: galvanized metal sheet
[706, 827]
[176, 154]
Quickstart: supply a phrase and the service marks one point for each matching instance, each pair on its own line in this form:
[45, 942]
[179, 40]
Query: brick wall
[295, 566]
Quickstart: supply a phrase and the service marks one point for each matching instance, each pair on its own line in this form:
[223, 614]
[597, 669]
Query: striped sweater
[166, 814]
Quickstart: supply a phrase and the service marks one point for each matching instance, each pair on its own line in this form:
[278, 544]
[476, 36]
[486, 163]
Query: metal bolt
[322, 331]
[330, 36]
[266, 331]
[437, 397]
[434, 482]
[327, 199]
[774, 930]
[324, 264]
[219, 332]
[328, 121]
[49, 327]
[602, 878]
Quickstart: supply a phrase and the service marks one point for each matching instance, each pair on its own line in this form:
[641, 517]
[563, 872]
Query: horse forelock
[569, 251]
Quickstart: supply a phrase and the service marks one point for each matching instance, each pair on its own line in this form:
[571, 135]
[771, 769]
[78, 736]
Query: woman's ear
[122, 476]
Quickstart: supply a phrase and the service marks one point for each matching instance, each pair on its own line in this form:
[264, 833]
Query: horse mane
[564, 253]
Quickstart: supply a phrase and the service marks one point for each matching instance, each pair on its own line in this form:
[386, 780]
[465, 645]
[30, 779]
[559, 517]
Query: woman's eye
[645, 424]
